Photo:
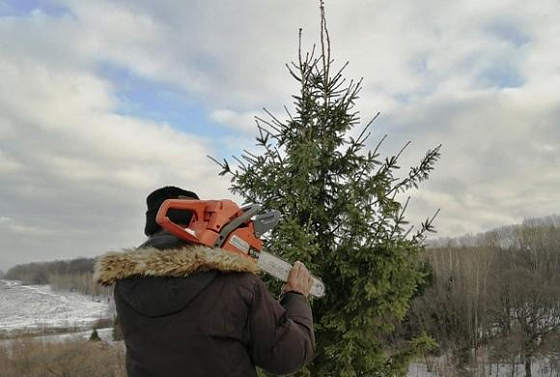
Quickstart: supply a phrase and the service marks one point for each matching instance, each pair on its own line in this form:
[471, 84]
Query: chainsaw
[221, 223]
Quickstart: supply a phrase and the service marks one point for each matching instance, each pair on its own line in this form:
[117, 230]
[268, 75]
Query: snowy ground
[418, 370]
[29, 308]
[541, 367]
[104, 334]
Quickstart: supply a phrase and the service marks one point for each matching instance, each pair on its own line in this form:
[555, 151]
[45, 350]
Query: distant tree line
[70, 275]
[494, 299]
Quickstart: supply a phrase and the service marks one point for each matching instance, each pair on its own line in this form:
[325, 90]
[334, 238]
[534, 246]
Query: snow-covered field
[29, 308]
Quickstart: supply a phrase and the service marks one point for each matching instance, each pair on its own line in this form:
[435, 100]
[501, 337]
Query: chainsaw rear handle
[208, 220]
[195, 206]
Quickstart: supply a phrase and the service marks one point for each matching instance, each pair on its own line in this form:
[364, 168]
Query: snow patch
[36, 307]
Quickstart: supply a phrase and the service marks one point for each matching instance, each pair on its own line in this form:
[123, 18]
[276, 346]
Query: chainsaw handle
[196, 207]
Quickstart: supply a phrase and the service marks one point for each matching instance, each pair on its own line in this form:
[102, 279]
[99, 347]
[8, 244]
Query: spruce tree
[340, 216]
[94, 337]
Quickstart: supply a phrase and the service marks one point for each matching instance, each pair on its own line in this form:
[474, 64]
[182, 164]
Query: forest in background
[74, 275]
[492, 301]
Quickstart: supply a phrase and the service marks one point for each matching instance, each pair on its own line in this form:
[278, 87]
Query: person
[191, 310]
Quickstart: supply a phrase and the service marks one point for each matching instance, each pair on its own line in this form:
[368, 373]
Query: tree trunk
[527, 365]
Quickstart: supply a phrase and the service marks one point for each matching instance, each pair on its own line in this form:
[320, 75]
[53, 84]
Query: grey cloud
[227, 52]
[494, 169]
[74, 173]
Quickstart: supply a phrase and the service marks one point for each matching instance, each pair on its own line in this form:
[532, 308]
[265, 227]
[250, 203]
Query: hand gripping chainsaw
[221, 223]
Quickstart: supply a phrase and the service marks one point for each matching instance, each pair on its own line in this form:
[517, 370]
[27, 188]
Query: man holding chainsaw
[193, 310]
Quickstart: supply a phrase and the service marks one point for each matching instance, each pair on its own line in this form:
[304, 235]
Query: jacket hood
[161, 282]
[152, 262]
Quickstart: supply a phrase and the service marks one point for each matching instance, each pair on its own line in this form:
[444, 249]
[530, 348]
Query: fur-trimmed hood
[152, 262]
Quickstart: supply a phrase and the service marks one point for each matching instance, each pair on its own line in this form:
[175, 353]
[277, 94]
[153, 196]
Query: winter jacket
[198, 311]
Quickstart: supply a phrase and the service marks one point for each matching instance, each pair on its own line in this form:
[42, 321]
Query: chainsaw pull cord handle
[197, 208]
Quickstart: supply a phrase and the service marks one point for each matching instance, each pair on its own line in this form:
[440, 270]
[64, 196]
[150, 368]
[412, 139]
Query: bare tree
[497, 292]
[527, 287]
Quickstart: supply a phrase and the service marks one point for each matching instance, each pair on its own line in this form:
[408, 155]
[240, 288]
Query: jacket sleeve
[282, 338]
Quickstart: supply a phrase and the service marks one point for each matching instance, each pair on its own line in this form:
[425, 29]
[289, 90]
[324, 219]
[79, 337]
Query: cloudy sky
[102, 101]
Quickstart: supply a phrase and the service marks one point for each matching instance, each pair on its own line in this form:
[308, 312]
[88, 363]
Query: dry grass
[70, 359]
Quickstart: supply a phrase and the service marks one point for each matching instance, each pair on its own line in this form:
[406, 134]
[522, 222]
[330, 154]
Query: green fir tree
[341, 217]
[94, 337]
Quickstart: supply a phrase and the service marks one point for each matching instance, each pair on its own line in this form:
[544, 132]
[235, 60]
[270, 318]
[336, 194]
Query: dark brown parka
[196, 311]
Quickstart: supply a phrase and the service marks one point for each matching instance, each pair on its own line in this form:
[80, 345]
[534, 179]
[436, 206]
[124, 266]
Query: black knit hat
[154, 201]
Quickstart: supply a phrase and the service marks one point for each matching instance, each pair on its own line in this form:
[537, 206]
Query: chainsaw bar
[279, 268]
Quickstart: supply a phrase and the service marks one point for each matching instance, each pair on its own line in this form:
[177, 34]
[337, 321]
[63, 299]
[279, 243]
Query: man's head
[154, 201]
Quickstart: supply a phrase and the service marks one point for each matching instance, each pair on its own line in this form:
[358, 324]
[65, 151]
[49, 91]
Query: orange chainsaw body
[208, 222]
